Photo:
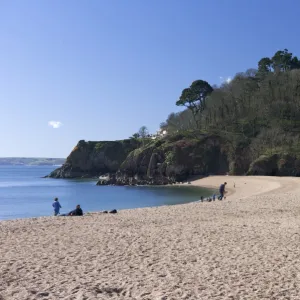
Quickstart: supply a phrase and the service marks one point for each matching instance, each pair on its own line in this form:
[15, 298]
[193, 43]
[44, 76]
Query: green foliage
[158, 143]
[170, 158]
[265, 66]
[177, 122]
[143, 132]
[115, 150]
[141, 135]
[258, 108]
[137, 151]
[282, 61]
[194, 97]
[182, 135]
[135, 136]
[99, 146]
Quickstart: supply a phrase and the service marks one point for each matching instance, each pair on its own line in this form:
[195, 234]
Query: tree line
[260, 106]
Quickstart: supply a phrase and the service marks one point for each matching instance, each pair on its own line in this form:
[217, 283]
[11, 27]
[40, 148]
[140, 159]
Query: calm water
[23, 193]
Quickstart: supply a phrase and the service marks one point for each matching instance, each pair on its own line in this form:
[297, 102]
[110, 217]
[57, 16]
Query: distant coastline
[31, 161]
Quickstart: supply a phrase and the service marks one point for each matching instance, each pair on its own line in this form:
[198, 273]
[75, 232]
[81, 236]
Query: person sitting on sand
[76, 212]
[222, 190]
[56, 205]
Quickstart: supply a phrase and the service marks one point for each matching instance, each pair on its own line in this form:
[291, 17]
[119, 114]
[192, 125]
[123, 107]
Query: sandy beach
[245, 247]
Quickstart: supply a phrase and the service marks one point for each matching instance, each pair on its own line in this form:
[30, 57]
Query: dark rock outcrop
[108, 179]
[173, 161]
[159, 162]
[275, 165]
[169, 160]
[264, 165]
[91, 159]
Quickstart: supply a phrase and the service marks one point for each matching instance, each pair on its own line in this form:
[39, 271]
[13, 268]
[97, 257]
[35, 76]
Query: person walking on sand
[56, 205]
[222, 190]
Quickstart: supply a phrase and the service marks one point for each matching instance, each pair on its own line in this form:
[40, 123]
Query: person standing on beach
[56, 205]
[222, 190]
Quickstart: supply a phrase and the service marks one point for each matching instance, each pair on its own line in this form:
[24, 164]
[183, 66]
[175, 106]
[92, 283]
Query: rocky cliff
[168, 160]
[92, 159]
[275, 165]
[134, 161]
[173, 160]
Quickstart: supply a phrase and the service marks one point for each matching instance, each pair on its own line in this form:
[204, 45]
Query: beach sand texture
[245, 247]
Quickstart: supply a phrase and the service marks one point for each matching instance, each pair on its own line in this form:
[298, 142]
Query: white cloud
[228, 79]
[225, 80]
[55, 124]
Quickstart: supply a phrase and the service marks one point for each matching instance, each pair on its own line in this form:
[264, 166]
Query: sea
[24, 194]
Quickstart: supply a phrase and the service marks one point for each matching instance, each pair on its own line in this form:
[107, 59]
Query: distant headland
[31, 161]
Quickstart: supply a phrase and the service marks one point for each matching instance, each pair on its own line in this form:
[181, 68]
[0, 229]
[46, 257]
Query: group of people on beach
[78, 211]
[56, 206]
[221, 195]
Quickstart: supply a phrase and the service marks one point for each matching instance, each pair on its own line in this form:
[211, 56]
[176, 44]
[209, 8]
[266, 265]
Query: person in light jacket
[56, 205]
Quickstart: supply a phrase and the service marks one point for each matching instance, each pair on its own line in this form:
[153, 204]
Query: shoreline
[245, 247]
[236, 185]
[210, 182]
[207, 193]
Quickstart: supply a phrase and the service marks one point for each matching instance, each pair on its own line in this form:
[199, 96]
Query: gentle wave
[16, 184]
[32, 184]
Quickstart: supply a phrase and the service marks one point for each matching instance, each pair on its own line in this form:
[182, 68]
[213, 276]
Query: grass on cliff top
[116, 150]
[119, 150]
[113, 150]
[167, 143]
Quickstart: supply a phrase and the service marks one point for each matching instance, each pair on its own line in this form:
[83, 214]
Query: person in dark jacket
[76, 212]
[222, 190]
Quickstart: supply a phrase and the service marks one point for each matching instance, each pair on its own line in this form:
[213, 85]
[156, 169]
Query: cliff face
[276, 165]
[168, 160]
[163, 161]
[91, 159]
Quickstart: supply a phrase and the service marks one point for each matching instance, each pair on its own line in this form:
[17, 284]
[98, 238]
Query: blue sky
[105, 68]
